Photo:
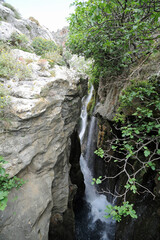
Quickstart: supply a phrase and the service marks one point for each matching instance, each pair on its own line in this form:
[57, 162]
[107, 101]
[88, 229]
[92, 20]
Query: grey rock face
[109, 91]
[6, 31]
[60, 36]
[36, 143]
[10, 24]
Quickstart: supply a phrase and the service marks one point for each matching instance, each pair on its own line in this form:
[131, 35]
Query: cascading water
[90, 221]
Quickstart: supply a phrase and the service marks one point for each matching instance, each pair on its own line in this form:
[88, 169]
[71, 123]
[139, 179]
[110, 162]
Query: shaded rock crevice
[62, 226]
[147, 225]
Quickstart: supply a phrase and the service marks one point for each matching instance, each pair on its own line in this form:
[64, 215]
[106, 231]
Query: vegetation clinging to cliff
[17, 14]
[115, 33]
[138, 148]
[7, 184]
[41, 45]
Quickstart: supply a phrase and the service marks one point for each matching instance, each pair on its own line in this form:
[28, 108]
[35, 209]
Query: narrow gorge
[80, 124]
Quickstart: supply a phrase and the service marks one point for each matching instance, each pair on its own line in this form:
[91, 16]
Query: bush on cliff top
[16, 13]
[10, 67]
[115, 33]
[41, 46]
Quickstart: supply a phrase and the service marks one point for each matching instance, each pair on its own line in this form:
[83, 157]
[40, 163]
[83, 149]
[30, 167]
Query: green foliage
[20, 41]
[28, 27]
[41, 46]
[141, 101]
[53, 58]
[7, 184]
[117, 212]
[10, 67]
[4, 46]
[91, 104]
[34, 20]
[67, 55]
[138, 147]
[99, 152]
[97, 181]
[114, 33]
[4, 100]
[131, 185]
[16, 13]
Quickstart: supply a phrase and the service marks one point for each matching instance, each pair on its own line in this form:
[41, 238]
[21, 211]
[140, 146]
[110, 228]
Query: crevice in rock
[75, 171]
[62, 225]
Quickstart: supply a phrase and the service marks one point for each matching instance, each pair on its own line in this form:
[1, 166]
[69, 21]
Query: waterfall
[84, 114]
[91, 224]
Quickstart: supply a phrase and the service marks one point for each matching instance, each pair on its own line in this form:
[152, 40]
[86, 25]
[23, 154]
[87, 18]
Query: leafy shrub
[4, 46]
[54, 58]
[28, 27]
[67, 55]
[16, 13]
[114, 33]
[91, 105]
[53, 74]
[7, 184]
[34, 20]
[19, 38]
[41, 45]
[20, 41]
[10, 67]
[116, 212]
[3, 100]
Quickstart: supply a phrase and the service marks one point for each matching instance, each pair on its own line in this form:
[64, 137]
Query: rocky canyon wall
[42, 113]
[146, 226]
[36, 143]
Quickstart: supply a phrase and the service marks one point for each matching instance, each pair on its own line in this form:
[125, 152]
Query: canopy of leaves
[41, 45]
[115, 33]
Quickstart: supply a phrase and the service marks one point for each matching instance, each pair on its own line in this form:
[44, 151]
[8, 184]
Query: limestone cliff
[42, 113]
[9, 24]
[35, 141]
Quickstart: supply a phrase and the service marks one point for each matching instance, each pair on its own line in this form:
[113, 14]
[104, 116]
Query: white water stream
[97, 202]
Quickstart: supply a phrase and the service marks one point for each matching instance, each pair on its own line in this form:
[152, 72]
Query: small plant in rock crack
[7, 184]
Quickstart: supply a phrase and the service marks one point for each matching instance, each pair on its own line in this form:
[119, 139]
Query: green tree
[114, 33]
[117, 34]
